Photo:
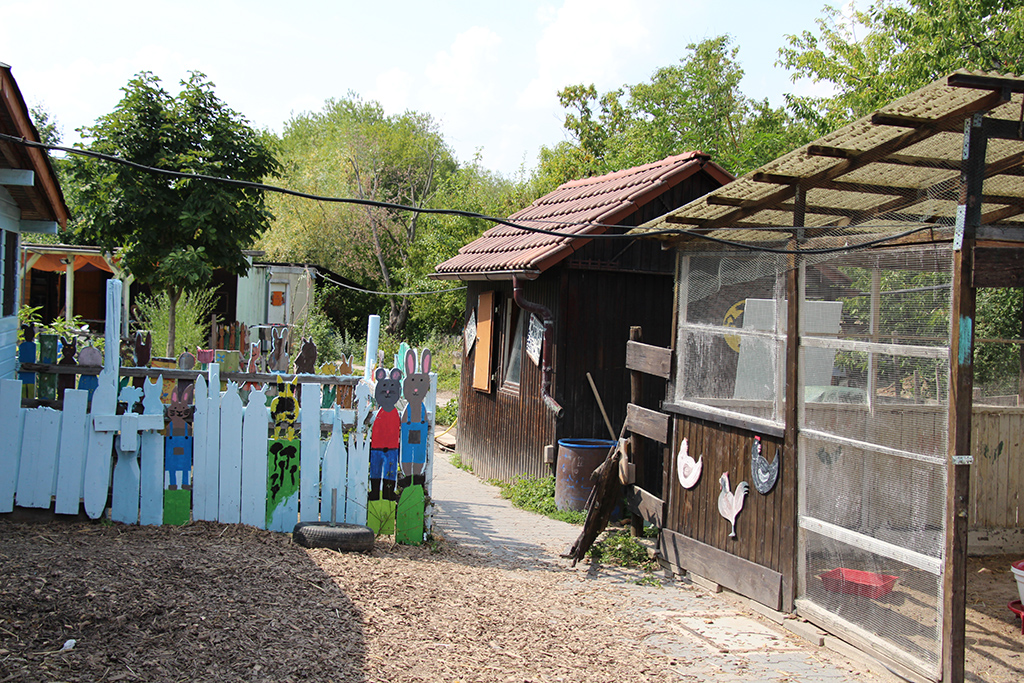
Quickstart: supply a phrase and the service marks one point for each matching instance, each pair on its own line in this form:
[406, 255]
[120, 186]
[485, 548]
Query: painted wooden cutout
[278, 360]
[151, 460]
[68, 349]
[27, 354]
[385, 442]
[764, 473]
[283, 460]
[252, 364]
[46, 382]
[205, 356]
[178, 447]
[330, 391]
[730, 503]
[255, 471]
[143, 355]
[305, 362]
[345, 394]
[168, 385]
[415, 432]
[687, 469]
[90, 355]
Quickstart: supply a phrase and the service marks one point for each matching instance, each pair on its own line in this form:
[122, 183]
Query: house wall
[10, 218]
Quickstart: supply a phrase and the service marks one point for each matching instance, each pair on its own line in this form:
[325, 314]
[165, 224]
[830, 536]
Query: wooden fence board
[647, 505]
[210, 472]
[124, 500]
[200, 450]
[35, 483]
[651, 360]
[334, 472]
[254, 460]
[229, 499]
[309, 483]
[357, 490]
[71, 459]
[646, 422]
[10, 441]
[151, 485]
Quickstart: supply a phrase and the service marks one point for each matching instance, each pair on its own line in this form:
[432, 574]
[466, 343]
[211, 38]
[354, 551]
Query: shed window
[514, 360]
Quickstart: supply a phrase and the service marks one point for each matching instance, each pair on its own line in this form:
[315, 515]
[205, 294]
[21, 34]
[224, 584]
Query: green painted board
[380, 516]
[409, 518]
[282, 483]
[177, 506]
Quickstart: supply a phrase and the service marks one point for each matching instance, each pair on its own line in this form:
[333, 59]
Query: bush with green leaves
[76, 327]
[620, 548]
[192, 315]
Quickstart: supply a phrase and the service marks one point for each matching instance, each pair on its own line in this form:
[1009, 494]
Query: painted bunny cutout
[414, 422]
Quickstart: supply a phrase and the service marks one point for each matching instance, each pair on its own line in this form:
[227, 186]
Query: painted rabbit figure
[414, 423]
[385, 438]
[178, 449]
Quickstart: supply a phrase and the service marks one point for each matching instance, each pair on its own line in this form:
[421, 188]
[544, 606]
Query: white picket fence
[72, 458]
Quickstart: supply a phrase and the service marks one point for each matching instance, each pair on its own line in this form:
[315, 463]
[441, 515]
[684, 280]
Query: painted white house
[30, 201]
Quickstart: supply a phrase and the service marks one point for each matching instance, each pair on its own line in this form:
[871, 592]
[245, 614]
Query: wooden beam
[652, 360]
[735, 573]
[998, 267]
[727, 418]
[646, 422]
[38, 227]
[978, 81]
[649, 507]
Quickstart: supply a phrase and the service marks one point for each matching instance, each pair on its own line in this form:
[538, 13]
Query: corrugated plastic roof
[897, 168]
[573, 210]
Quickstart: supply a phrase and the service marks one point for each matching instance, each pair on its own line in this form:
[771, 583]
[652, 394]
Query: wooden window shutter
[484, 341]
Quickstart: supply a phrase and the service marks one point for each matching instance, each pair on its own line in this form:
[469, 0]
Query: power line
[471, 214]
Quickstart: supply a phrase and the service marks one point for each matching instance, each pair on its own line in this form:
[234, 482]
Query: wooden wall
[765, 528]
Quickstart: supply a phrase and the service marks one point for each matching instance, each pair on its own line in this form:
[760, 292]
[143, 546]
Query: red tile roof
[572, 210]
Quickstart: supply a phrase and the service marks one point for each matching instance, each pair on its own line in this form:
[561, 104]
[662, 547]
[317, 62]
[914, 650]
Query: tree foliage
[873, 56]
[695, 105]
[173, 232]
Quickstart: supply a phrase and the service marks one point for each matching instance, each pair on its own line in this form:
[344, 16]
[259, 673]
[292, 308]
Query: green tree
[873, 56]
[693, 105]
[173, 232]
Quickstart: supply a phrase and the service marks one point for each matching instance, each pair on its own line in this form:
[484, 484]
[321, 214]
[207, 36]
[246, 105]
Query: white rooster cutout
[688, 470]
[730, 503]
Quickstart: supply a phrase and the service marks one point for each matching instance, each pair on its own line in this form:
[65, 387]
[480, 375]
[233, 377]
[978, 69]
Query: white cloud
[393, 90]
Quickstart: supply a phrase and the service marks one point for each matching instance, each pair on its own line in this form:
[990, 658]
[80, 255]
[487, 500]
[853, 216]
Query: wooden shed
[585, 291]
[30, 201]
[826, 318]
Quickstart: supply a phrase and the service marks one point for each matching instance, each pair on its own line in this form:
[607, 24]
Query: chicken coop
[847, 317]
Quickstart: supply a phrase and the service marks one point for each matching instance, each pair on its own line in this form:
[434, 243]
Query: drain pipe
[545, 361]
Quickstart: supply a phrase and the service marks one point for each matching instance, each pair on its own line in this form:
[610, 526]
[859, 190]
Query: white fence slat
[230, 500]
[430, 405]
[200, 450]
[71, 458]
[96, 482]
[309, 453]
[151, 493]
[10, 440]
[124, 499]
[35, 483]
[254, 460]
[334, 471]
[357, 489]
[211, 468]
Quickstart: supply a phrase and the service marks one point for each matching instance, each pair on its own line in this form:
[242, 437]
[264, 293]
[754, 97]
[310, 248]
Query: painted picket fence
[86, 455]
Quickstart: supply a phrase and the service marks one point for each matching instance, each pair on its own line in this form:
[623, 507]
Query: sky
[487, 72]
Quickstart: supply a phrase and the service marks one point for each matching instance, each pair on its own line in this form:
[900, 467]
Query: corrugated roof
[572, 210]
[894, 169]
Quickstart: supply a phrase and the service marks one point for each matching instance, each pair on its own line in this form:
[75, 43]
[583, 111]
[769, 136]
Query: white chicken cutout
[730, 503]
[688, 470]
[764, 473]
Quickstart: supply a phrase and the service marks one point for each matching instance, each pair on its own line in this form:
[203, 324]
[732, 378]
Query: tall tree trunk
[173, 294]
[399, 315]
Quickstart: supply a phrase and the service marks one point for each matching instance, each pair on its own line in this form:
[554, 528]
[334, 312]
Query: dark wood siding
[764, 528]
[502, 433]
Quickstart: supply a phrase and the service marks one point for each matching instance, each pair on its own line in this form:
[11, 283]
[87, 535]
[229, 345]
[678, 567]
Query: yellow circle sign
[734, 318]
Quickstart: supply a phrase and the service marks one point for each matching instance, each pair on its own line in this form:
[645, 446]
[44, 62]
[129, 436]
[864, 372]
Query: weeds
[538, 495]
[623, 550]
[456, 460]
[448, 414]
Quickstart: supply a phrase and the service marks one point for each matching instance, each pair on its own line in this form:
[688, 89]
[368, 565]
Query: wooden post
[793, 392]
[961, 386]
[636, 442]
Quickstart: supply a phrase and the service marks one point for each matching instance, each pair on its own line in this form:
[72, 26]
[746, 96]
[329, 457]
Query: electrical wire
[370, 291]
[467, 214]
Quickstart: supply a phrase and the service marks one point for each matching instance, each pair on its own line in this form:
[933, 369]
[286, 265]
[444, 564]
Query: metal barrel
[577, 460]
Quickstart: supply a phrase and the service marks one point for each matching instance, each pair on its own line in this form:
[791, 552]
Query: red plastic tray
[856, 582]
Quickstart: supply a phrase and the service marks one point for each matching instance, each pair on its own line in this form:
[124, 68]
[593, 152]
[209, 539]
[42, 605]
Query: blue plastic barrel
[577, 460]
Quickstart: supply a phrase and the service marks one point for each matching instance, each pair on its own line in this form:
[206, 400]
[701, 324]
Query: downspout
[545, 360]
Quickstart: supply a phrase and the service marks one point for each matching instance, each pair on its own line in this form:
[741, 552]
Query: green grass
[538, 495]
